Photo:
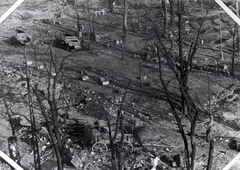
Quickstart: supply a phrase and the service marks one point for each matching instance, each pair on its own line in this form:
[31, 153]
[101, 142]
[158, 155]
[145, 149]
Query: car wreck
[22, 37]
[71, 42]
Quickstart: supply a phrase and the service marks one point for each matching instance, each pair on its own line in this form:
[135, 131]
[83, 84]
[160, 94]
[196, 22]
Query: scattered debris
[85, 77]
[154, 163]
[104, 81]
[29, 63]
[117, 42]
[100, 12]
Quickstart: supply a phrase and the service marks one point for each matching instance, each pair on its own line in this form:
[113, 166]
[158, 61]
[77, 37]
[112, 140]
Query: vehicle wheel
[127, 148]
[99, 148]
[68, 48]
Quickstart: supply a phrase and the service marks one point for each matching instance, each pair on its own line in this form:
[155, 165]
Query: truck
[22, 37]
[71, 42]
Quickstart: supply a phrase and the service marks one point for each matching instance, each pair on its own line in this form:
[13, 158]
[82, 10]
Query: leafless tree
[125, 25]
[50, 102]
[185, 106]
[234, 33]
[116, 146]
[209, 137]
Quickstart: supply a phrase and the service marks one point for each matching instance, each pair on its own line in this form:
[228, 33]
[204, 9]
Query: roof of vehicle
[71, 37]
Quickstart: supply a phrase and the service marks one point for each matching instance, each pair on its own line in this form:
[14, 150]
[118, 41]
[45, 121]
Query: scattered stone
[41, 67]
[168, 150]
[29, 63]
[104, 81]
[143, 78]
[148, 57]
[194, 61]
[174, 164]
[85, 78]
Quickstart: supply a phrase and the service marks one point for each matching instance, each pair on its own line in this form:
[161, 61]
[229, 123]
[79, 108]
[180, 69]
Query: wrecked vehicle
[22, 37]
[71, 42]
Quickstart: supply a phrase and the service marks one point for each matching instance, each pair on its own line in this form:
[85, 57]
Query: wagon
[102, 142]
[96, 138]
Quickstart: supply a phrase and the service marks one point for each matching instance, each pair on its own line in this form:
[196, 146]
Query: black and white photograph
[119, 85]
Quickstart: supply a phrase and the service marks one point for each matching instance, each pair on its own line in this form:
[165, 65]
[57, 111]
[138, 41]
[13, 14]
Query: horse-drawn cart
[97, 138]
[102, 142]
[94, 140]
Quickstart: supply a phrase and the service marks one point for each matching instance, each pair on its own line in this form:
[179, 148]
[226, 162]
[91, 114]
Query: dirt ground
[145, 102]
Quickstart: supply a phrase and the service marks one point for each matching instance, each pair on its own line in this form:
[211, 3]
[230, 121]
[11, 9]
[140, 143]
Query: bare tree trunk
[221, 43]
[89, 23]
[233, 46]
[120, 158]
[54, 113]
[78, 23]
[125, 25]
[37, 162]
[176, 116]
[9, 117]
[165, 15]
[181, 70]
[52, 137]
[111, 146]
[237, 13]
[93, 24]
[208, 133]
[111, 9]
[210, 157]
[50, 113]
[171, 2]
